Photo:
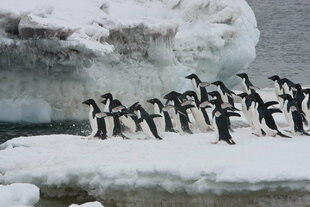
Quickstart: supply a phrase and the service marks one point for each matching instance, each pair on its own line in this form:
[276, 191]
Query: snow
[89, 204]
[52, 48]
[176, 164]
[19, 195]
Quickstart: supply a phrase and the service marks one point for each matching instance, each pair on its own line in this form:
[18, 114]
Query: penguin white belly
[216, 129]
[197, 89]
[146, 129]
[107, 106]
[128, 122]
[199, 119]
[177, 121]
[255, 120]
[244, 87]
[109, 125]
[278, 92]
[267, 130]
[288, 117]
[304, 107]
[160, 120]
[247, 113]
[93, 122]
[223, 96]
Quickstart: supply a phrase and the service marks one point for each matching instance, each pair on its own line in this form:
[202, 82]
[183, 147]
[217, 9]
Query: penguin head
[134, 107]
[218, 83]
[214, 102]
[153, 100]
[189, 93]
[297, 87]
[214, 93]
[89, 102]
[274, 78]
[173, 94]
[192, 76]
[306, 90]
[107, 96]
[242, 75]
[285, 96]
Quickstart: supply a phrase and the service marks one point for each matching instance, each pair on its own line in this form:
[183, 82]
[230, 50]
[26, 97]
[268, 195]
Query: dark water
[11, 130]
[284, 45]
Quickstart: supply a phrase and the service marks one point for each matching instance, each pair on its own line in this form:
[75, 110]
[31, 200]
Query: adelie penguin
[220, 123]
[200, 91]
[247, 86]
[199, 112]
[97, 124]
[305, 105]
[278, 88]
[164, 120]
[147, 123]
[293, 115]
[180, 115]
[287, 86]
[226, 94]
[264, 117]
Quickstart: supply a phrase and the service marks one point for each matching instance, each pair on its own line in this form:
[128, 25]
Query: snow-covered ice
[64, 52]
[19, 195]
[89, 204]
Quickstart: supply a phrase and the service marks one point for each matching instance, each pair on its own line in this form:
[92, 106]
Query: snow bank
[19, 195]
[89, 204]
[188, 164]
[68, 51]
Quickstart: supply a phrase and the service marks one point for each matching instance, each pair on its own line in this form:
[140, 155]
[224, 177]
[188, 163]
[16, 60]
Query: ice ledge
[177, 164]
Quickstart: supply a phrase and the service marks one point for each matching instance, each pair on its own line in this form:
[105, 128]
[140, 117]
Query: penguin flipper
[271, 103]
[274, 110]
[155, 116]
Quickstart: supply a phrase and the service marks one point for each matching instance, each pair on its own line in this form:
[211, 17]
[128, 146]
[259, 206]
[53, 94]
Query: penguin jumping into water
[293, 115]
[220, 123]
[247, 86]
[180, 115]
[200, 91]
[264, 116]
[165, 120]
[97, 124]
[226, 94]
[200, 114]
[147, 123]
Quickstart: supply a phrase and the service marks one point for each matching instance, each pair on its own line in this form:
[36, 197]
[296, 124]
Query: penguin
[109, 120]
[246, 107]
[180, 115]
[247, 86]
[200, 91]
[108, 98]
[165, 120]
[299, 95]
[226, 94]
[97, 124]
[220, 123]
[278, 88]
[287, 86]
[305, 105]
[264, 116]
[147, 123]
[293, 115]
[200, 114]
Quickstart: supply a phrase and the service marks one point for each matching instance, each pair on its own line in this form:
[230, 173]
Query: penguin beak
[214, 83]
[239, 75]
[85, 102]
[281, 96]
[150, 101]
[188, 77]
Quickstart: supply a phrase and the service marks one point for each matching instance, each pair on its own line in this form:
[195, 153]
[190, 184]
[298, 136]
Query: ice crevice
[67, 52]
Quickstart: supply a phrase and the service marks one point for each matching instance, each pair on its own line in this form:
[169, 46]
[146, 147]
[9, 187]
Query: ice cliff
[62, 52]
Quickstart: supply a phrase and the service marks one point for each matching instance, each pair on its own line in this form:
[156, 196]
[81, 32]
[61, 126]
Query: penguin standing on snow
[264, 117]
[200, 91]
[165, 120]
[226, 94]
[278, 88]
[180, 115]
[147, 123]
[199, 112]
[305, 105]
[97, 124]
[220, 123]
[247, 86]
[246, 107]
[293, 115]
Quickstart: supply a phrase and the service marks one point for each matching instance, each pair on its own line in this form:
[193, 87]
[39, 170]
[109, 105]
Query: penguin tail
[305, 133]
[159, 138]
[283, 135]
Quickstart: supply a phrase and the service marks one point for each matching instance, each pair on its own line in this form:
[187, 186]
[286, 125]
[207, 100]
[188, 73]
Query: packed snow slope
[60, 53]
[19, 195]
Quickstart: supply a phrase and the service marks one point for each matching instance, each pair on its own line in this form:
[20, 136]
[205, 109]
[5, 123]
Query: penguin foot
[214, 142]
[256, 134]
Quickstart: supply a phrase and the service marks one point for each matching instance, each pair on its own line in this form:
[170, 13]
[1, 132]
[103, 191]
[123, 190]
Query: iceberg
[64, 52]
